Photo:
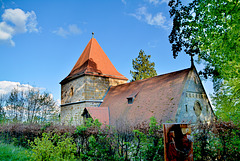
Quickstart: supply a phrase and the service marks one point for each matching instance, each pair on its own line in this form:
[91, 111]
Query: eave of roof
[93, 61]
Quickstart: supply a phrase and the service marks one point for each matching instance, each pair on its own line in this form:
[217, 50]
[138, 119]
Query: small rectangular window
[132, 96]
[130, 100]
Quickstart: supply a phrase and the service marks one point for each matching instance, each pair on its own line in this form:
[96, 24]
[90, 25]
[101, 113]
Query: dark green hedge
[215, 141]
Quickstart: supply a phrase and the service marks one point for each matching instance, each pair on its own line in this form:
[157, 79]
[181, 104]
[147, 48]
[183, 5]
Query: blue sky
[40, 41]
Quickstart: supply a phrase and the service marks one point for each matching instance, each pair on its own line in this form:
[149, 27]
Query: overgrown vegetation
[209, 29]
[215, 141]
[52, 147]
[9, 152]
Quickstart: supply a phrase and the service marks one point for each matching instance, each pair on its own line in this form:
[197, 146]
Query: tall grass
[9, 152]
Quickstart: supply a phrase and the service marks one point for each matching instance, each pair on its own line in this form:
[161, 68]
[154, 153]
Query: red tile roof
[100, 113]
[157, 96]
[93, 61]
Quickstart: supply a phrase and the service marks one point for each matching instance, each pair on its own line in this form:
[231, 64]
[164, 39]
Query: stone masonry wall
[72, 114]
[81, 89]
[96, 87]
[194, 95]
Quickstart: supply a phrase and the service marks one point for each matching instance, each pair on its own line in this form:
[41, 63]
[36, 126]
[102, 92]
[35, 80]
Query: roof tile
[93, 61]
[157, 96]
[100, 113]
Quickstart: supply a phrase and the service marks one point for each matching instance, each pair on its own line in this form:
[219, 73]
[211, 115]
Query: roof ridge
[146, 79]
[89, 55]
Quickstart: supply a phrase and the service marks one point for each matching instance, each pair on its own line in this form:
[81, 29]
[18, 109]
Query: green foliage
[147, 145]
[88, 123]
[48, 124]
[143, 68]
[52, 147]
[219, 141]
[9, 152]
[155, 145]
[227, 101]
[91, 141]
[96, 143]
[209, 29]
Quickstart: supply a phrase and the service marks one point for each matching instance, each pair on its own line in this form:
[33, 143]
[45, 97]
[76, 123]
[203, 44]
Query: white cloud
[61, 32]
[71, 30]
[124, 2]
[16, 21]
[32, 22]
[156, 20]
[156, 2]
[7, 86]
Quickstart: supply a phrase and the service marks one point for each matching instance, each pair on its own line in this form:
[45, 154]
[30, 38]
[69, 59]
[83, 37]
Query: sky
[40, 41]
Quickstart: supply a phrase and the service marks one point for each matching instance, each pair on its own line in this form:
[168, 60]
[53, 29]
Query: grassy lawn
[10, 152]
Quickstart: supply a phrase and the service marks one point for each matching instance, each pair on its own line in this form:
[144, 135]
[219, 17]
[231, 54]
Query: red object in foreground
[177, 142]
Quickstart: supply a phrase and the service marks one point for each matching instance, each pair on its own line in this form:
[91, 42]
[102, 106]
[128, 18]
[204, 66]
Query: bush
[91, 141]
[20, 133]
[52, 147]
[217, 141]
[143, 142]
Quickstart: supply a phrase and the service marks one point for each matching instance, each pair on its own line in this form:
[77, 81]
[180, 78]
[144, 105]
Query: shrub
[52, 147]
[20, 133]
[217, 141]
[91, 141]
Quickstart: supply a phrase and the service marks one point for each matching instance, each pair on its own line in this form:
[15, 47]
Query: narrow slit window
[71, 92]
[186, 108]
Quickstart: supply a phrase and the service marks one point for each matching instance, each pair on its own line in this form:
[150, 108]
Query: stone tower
[87, 83]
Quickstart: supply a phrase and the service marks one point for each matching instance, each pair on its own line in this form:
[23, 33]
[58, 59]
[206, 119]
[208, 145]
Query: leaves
[143, 68]
[209, 29]
[45, 149]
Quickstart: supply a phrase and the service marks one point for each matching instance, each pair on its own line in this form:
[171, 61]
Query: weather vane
[92, 34]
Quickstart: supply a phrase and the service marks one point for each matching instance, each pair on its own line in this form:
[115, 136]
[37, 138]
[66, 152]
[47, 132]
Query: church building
[94, 88]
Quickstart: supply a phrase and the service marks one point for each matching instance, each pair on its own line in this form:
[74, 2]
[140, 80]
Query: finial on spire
[92, 34]
[192, 61]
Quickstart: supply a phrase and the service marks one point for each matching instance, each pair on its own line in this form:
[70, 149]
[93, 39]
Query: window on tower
[71, 92]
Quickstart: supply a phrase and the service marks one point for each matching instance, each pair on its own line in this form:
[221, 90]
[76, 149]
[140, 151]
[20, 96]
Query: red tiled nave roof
[158, 96]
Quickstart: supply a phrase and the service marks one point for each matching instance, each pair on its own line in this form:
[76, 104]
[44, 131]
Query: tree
[209, 29]
[2, 104]
[38, 105]
[31, 105]
[15, 103]
[143, 67]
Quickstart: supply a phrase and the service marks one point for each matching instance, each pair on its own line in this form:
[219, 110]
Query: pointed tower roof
[93, 61]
